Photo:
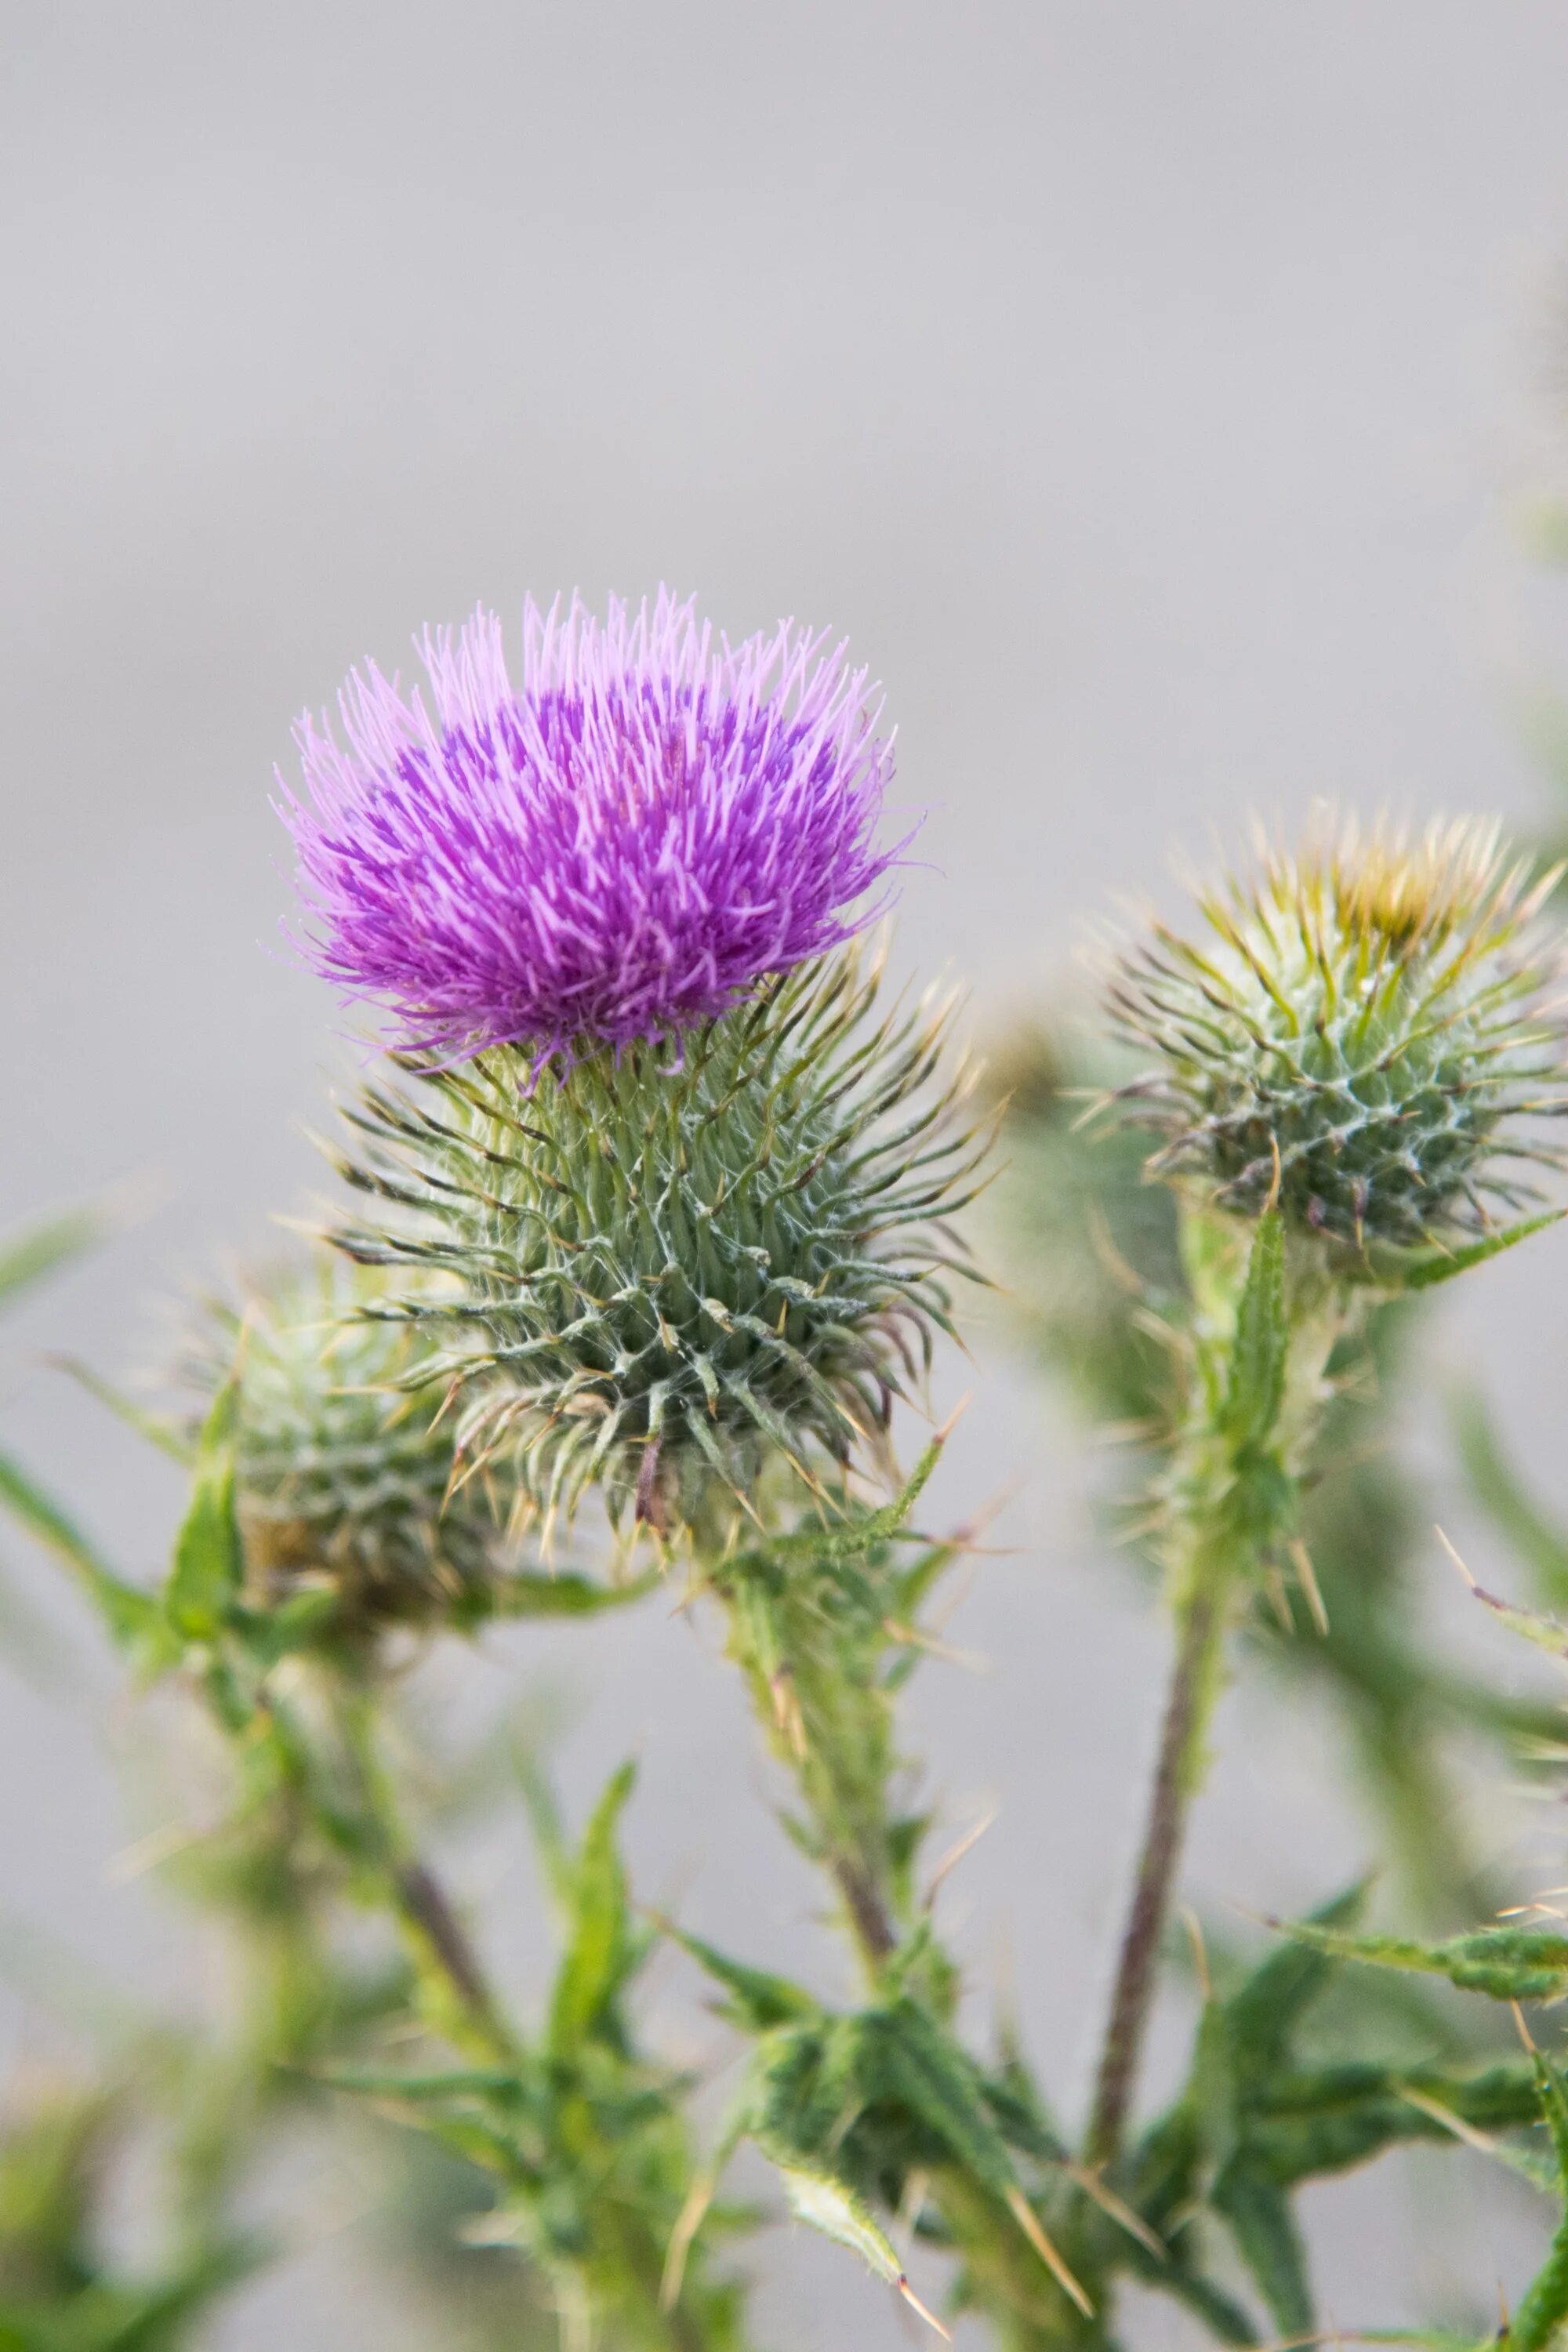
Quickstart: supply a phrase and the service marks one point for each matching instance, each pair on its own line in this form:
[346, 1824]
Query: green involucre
[663, 1267]
[1361, 1027]
[345, 1466]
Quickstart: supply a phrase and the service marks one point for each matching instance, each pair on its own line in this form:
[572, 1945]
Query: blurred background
[1163, 401]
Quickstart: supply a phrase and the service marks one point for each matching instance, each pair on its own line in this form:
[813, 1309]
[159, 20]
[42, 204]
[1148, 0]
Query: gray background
[1150, 391]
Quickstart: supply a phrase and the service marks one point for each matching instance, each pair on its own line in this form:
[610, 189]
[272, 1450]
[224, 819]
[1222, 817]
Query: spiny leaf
[1546, 1633]
[1509, 1963]
[863, 1534]
[1426, 1271]
[826, 2204]
[131, 1618]
[209, 1562]
[1261, 2012]
[597, 1959]
[758, 2000]
[1256, 1388]
[910, 2058]
[1544, 2307]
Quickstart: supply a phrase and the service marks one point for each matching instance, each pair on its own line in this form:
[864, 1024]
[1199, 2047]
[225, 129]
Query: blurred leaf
[758, 2002]
[158, 1429]
[531, 1593]
[38, 1252]
[1498, 1488]
[132, 1618]
[1544, 2307]
[209, 1561]
[600, 1951]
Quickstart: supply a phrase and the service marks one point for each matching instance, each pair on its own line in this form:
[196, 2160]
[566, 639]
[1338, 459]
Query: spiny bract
[676, 1262]
[344, 1463]
[1360, 1028]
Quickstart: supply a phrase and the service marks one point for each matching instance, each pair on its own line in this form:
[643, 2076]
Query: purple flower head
[621, 844]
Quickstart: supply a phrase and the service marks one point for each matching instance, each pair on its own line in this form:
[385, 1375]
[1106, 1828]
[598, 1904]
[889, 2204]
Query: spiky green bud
[346, 1467]
[671, 1264]
[1359, 1033]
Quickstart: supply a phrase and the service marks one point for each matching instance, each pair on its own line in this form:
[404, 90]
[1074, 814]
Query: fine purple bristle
[620, 845]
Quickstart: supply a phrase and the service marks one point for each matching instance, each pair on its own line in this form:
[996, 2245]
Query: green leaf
[1258, 2213]
[758, 2002]
[292, 1624]
[209, 1562]
[44, 1246]
[862, 1535]
[1546, 1633]
[131, 1618]
[1544, 2307]
[1426, 1271]
[455, 2083]
[600, 1951]
[1266, 2006]
[826, 2204]
[1507, 1963]
[1256, 1388]
[158, 1429]
[910, 2058]
[531, 1593]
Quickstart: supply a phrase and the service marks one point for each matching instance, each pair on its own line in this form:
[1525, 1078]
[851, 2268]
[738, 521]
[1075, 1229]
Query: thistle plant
[1348, 1064]
[656, 1206]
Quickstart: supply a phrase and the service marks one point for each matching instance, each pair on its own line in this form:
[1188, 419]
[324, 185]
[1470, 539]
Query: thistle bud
[666, 1265]
[346, 1469]
[1361, 1032]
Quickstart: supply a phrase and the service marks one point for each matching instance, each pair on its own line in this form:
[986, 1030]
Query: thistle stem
[1175, 1781]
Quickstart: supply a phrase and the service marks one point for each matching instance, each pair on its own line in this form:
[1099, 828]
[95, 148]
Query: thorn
[1195, 1928]
[911, 1637]
[1028, 2221]
[1120, 2211]
[954, 1418]
[787, 1715]
[916, 2305]
[699, 2197]
[1524, 2033]
[1307, 1576]
[956, 1852]
[1454, 1556]
[1273, 1200]
[1449, 2119]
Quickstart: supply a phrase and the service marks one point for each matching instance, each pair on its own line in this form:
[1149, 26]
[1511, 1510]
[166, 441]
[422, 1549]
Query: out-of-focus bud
[1361, 1031]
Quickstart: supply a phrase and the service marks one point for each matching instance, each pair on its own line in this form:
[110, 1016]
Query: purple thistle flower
[622, 845]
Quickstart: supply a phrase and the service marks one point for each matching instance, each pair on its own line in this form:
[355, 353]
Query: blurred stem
[1178, 1772]
[416, 1897]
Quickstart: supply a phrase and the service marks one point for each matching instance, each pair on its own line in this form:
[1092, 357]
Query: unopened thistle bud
[346, 1470]
[673, 1262]
[1361, 1032]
